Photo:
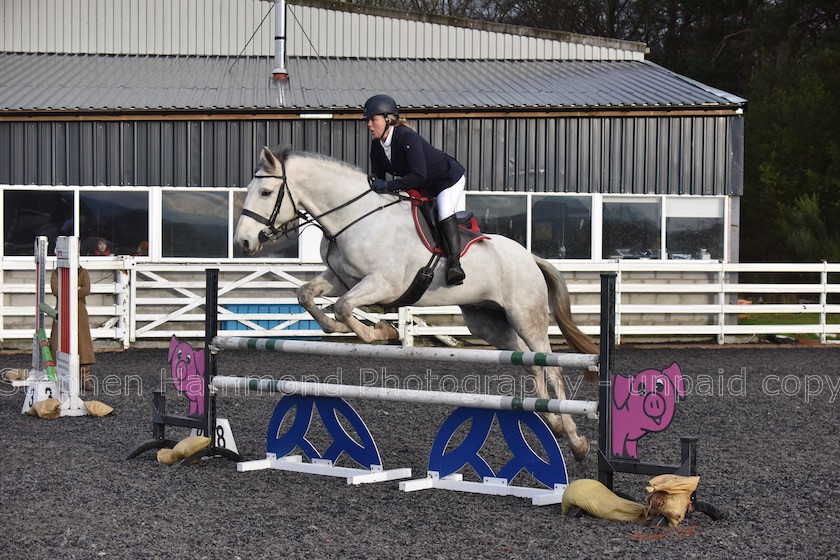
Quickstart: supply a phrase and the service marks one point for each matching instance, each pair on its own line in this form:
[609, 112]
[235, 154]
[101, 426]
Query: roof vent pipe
[279, 71]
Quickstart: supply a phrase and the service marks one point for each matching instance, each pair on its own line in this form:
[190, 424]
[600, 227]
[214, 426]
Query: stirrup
[455, 276]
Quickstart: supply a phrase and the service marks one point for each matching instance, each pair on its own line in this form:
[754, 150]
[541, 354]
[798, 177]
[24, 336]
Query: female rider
[415, 164]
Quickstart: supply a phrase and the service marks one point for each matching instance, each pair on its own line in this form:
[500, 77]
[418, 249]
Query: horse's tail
[561, 309]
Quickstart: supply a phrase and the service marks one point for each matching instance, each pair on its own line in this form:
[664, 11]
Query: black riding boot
[451, 241]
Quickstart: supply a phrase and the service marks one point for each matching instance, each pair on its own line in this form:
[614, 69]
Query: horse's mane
[284, 153]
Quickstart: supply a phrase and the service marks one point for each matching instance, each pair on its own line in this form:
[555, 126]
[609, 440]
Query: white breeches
[449, 198]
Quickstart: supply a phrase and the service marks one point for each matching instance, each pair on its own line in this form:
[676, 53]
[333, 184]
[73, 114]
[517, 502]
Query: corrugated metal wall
[224, 27]
[664, 155]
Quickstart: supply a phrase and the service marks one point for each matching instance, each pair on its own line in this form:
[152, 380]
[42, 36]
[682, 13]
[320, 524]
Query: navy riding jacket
[415, 164]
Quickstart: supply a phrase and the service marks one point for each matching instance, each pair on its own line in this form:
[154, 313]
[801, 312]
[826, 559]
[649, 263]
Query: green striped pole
[408, 352]
[48, 309]
[494, 402]
[49, 364]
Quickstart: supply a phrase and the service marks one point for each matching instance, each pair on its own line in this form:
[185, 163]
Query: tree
[792, 167]
[806, 233]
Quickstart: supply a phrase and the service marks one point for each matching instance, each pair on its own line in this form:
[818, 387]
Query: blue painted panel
[245, 309]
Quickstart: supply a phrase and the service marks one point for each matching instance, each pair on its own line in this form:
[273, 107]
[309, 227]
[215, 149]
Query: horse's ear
[270, 159]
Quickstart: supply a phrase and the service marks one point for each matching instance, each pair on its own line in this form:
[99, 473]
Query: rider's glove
[380, 185]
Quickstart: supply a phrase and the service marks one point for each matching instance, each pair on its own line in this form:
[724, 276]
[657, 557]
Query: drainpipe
[279, 71]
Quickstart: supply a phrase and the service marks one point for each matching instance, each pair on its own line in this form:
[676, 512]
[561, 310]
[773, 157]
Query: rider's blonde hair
[398, 121]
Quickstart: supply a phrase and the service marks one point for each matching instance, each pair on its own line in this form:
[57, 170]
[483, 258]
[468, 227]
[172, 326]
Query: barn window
[694, 228]
[30, 213]
[120, 219]
[632, 229]
[561, 227]
[502, 214]
[194, 224]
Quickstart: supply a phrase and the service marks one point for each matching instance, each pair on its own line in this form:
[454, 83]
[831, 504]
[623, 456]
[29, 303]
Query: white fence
[108, 305]
[671, 300]
[135, 302]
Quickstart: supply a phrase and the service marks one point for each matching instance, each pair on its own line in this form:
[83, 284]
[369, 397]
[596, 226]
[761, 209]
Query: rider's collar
[389, 137]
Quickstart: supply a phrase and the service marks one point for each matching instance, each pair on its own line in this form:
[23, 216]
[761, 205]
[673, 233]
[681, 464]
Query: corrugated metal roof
[314, 28]
[69, 83]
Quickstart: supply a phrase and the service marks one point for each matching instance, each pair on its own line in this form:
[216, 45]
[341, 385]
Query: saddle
[426, 225]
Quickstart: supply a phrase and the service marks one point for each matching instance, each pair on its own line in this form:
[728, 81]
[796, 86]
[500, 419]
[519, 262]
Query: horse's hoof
[581, 452]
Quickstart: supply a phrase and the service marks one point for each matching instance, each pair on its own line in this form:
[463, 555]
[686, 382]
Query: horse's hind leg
[494, 327]
[531, 324]
[579, 444]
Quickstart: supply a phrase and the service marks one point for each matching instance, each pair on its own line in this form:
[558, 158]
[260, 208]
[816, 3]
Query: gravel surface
[766, 418]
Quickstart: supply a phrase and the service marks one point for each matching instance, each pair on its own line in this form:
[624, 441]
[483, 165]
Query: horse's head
[268, 205]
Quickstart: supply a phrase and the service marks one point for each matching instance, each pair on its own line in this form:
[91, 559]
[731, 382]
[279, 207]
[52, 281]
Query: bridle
[272, 232]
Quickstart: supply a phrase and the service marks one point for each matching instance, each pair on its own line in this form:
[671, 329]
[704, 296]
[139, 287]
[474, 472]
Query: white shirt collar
[389, 137]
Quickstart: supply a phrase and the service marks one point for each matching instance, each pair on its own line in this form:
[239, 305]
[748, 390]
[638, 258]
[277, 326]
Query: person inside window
[415, 164]
[102, 249]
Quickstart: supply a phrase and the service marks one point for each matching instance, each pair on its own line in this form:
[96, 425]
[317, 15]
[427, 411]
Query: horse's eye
[265, 193]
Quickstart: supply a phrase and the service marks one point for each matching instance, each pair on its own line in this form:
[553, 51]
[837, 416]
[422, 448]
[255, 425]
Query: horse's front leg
[325, 284]
[372, 289]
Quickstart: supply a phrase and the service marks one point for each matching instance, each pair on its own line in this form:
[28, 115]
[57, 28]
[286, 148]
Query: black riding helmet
[380, 105]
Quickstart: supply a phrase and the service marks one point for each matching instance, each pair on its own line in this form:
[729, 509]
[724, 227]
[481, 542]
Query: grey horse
[373, 252]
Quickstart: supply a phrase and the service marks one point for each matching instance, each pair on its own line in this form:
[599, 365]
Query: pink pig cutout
[642, 404]
[188, 373]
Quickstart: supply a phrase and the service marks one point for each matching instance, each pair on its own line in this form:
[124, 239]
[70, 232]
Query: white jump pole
[407, 352]
[494, 402]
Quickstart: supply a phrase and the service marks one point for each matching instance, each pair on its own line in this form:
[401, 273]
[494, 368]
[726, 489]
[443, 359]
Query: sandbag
[49, 409]
[599, 501]
[670, 495]
[184, 448]
[191, 444]
[168, 456]
[15, 374]
[96, 408]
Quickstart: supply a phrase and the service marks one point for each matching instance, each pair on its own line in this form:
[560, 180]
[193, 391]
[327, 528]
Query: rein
[329, 237]
[272, 232]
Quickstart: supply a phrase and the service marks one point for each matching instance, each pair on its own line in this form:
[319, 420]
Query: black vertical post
[211, 328]
[158, 404]
[688, 459]
[688, 455]
[605, 368]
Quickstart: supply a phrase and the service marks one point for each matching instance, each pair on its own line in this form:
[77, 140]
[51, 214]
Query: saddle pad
[470, 233]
